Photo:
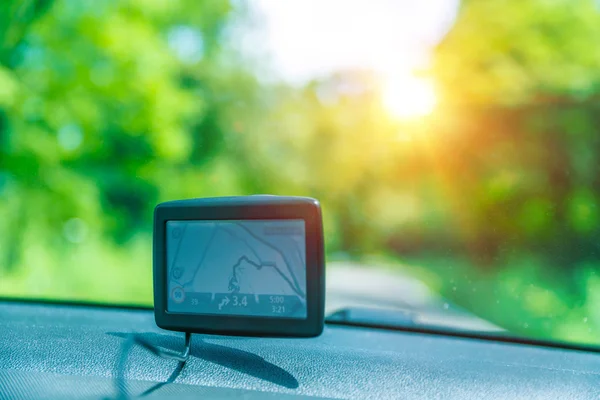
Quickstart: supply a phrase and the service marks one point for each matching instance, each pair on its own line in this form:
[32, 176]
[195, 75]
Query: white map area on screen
[231, 257]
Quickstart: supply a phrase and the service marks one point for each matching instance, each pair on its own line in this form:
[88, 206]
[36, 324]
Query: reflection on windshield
[453, 143]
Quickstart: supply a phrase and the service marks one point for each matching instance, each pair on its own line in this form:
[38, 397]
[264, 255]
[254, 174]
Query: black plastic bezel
[244, 208]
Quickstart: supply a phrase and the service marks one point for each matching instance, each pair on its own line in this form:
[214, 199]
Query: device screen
[231, 267]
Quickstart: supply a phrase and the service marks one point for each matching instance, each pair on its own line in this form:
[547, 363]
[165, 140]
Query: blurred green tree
[519, 151]
[520, 83]
[106, 108]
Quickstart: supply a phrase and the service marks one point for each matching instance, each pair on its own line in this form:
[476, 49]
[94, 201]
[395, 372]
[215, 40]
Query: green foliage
[510, 53]
[108, 107]
[521, 79]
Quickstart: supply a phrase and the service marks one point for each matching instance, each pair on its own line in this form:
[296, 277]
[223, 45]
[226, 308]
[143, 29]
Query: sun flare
[408, 97]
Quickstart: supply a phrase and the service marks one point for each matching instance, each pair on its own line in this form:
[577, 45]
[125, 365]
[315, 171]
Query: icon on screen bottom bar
[177, 294]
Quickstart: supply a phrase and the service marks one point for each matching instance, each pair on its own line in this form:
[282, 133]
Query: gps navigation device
[247, 265]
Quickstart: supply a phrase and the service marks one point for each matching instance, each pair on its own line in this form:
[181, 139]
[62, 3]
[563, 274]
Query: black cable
[133, 339]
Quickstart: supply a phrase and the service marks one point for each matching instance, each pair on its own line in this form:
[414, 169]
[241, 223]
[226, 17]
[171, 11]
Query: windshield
[454, 147]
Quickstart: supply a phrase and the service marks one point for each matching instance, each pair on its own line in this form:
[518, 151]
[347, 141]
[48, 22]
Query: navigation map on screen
[247, 268]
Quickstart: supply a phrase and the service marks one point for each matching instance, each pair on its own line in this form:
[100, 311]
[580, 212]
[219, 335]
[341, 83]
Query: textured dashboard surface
[59, 351]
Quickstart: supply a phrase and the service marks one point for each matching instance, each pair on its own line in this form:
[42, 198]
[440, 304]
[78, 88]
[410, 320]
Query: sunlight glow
[408, 97]
[307, 39]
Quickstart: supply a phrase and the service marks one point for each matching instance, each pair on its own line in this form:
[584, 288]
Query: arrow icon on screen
[223, 302]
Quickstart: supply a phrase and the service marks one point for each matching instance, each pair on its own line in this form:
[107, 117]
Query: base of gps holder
[182, 357]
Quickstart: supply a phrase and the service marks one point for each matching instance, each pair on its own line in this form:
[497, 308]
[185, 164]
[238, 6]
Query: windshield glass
[454, 147]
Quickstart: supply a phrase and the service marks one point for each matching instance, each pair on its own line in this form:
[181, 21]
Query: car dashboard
[73, 351]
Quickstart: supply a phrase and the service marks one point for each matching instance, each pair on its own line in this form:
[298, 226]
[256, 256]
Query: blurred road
[351, 285]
